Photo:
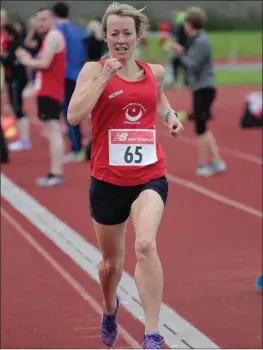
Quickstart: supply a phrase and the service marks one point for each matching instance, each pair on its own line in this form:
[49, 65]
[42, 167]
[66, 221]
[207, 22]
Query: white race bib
[132, 147]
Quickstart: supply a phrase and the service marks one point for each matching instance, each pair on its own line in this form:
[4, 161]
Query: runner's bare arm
[159, 72]
[53, 43]
[89, 88]
[175, 127]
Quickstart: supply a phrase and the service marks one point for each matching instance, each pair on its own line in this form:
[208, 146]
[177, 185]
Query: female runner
[127, 164]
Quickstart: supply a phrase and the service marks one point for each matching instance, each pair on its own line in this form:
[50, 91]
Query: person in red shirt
[128, 171]
[4, 156]
[3, 37]
[4, 40]
[49, 84]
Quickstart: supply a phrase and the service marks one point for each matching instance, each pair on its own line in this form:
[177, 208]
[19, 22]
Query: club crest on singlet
[133, 113]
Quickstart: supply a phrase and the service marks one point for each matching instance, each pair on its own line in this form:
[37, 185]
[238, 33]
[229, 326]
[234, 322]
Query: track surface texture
[209, 242]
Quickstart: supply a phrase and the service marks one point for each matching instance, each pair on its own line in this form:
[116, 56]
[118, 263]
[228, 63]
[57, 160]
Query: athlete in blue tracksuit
[259, 283]
[76, 58]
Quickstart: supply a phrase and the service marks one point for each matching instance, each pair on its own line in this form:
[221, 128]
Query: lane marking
[216, 196]
[232, 152]
[87, 256]
[188, 140]
[67, 277]
[237, 154]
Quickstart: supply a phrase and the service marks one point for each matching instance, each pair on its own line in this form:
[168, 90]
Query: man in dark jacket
[179, 35]
[16, 82]
[198, 61]
[4, 157]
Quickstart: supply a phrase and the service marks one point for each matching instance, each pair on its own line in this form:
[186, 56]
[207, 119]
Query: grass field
[233, 77]
[225, 44]
[238, 77]
[242, 44]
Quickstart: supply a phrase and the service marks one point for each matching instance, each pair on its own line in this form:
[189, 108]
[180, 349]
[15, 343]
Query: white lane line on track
[232, 152]
[178, 333]
[237, 154]
[213, 195]
[200, 189]
[67, 277]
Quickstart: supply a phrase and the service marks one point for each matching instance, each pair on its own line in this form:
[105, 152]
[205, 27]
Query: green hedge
[215, 21]
[224, 22]
[220, 22]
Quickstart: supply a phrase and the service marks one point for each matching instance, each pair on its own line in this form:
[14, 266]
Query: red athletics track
[211, 251]
[40, 308]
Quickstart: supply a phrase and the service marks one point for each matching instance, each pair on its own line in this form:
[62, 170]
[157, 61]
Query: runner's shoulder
[158, 71]
[90, 71]
[55, 34]
[92, 68]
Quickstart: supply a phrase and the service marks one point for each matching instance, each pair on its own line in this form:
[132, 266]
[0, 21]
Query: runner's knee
[144, 248]
[111, 266]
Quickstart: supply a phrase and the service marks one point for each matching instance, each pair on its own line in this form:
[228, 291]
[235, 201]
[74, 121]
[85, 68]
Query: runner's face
[44, 21]
[121, 36]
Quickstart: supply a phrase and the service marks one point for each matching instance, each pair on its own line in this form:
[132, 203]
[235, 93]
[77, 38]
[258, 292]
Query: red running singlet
[4, 48]
[50, 82]
[125, 151]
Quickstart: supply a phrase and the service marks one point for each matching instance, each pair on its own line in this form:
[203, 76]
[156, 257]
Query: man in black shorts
[200, 75]
[49, 84]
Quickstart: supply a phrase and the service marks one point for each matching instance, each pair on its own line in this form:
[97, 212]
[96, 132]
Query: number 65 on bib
[129, 147]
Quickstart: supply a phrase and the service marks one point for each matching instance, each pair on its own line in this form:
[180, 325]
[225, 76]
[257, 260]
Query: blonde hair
[95, 27]
[116, 8]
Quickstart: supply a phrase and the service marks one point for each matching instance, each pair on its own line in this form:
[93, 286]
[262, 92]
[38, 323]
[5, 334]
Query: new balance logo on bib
[129, 147]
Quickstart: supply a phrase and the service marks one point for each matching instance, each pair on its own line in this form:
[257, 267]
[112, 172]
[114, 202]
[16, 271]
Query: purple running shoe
[152, 340]
[109, 329]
